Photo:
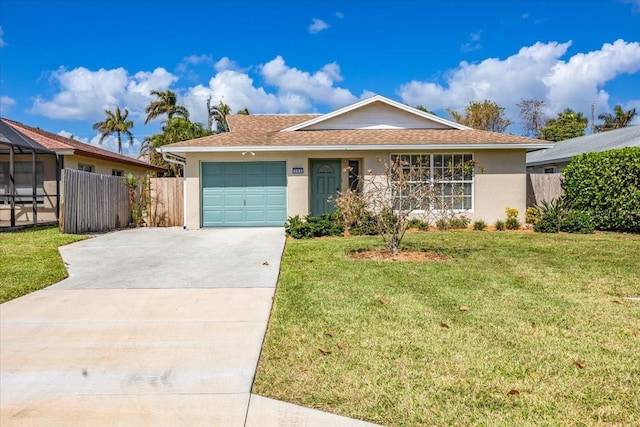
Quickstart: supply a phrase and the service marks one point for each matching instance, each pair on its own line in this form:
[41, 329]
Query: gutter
[337, 147]
[172, 158]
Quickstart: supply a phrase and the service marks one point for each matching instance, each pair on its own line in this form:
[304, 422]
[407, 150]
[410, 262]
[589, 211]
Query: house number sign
[298, 170]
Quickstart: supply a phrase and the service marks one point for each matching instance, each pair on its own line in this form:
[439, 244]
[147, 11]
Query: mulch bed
[383, 255]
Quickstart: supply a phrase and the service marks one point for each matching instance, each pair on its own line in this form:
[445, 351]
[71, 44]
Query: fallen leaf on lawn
[328, 334]
[536, 333]
[265, 263]
[383, 301]
[340, 346]
[304, 369]
[637, 334]
[323, 351]
[580, 364]
[513, 392]
[617, 301]
[464, 308]
[444, 325]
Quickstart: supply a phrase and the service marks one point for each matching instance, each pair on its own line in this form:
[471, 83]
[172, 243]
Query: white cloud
[6, 103]
[2, 42]
[339, 15]
[84, 94]
[473, 43]
[318, 87]
[317, 25]
[225, 63]
[536, 71]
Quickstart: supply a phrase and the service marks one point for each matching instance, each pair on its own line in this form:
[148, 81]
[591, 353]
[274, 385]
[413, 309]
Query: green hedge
[607, 186]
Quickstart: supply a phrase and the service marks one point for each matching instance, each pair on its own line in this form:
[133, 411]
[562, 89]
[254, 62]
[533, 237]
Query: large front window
[445, 179]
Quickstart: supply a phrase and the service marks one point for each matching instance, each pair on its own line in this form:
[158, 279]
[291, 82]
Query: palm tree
[115, 123]
[219, 116]
[621, 119]
[167, 103]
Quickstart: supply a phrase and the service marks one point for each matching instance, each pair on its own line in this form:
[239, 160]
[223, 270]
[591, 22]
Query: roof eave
[376, 147]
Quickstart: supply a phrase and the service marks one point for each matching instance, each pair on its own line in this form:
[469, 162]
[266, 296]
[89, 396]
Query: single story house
[556, 158]
[270, 167]
[27, 152]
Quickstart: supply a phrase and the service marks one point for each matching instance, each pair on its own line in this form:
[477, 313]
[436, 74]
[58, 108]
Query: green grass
[537, 304]
[29, 260]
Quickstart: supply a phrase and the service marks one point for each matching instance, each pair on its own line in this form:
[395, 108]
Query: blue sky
[62, 62]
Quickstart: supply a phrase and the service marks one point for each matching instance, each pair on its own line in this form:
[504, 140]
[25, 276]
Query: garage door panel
[239, 194]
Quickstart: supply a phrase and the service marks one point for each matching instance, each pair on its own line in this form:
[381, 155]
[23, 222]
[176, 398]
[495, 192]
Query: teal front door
[325, 183]
[244, 194]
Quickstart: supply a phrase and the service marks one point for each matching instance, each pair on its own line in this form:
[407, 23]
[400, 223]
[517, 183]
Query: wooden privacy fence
[543, 186]
[93, 202]
[166, 202]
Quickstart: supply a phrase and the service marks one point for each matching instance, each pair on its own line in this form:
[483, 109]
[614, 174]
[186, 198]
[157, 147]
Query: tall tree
[175, 129]
[568, 124]
[166, 103]
[115, 122]
[423, 108]
[619, 119]
[485, 115]
[218, 115]
[532, 116]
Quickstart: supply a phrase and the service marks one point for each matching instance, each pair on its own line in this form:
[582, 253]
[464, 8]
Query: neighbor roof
[68, 146]
[267, 132]
[19, 141]
[563, 151]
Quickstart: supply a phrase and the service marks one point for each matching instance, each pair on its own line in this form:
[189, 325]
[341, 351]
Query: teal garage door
[244, 194]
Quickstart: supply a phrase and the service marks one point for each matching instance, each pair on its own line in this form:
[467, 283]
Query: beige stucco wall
[500, 180]
[47, 210]
[103, 167]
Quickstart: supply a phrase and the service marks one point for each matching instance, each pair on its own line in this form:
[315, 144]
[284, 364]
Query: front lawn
[513, 329]
[29, 260]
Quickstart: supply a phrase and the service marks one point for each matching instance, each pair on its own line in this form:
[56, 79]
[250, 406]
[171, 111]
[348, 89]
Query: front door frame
[312, 167]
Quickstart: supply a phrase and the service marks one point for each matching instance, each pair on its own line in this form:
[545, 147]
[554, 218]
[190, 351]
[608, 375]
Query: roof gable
[376, 112]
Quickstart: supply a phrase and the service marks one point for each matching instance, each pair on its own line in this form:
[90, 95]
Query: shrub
[500, 225]
[419, 224]
[607, 185]
[459, 222]
[479, 225]
[442, 224]
[577, 222]
[552, 213]
[532, 215]
[367, 225]
[312, 226]
[512, 222]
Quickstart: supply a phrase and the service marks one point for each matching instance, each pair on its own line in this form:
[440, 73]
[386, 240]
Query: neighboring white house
[554, 159]
[269, 167]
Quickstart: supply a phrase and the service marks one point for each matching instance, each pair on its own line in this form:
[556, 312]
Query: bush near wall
[607, 186]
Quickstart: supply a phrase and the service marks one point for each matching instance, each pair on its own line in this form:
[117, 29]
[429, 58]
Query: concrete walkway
[152, 327]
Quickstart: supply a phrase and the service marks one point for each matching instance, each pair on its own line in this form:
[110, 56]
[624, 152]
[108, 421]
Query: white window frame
[432, 175]
[117, 172]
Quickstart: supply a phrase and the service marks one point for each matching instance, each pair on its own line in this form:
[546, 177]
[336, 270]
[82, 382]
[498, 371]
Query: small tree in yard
[402, 189]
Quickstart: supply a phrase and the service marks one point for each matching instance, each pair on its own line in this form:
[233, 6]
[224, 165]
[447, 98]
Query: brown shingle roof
[60, 143]
[264, 130]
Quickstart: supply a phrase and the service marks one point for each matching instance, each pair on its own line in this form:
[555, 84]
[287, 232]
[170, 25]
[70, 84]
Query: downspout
[172, 158]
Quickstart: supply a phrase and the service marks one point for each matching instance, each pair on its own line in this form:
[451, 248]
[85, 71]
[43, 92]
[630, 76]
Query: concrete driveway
[152, 327]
